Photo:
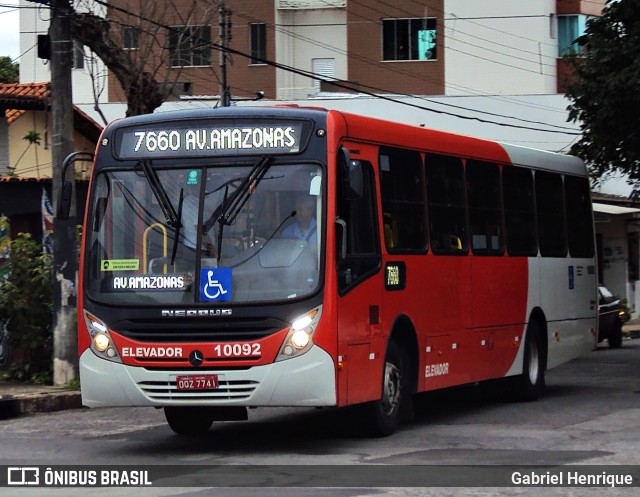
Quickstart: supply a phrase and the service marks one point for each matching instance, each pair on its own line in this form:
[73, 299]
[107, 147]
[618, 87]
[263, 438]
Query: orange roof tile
[18, 97]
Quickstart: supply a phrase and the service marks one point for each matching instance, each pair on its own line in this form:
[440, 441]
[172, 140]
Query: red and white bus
[249, 257]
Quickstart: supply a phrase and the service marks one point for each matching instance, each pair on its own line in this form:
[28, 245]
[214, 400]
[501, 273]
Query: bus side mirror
[64, 204]
[352, 176]
[66, 189]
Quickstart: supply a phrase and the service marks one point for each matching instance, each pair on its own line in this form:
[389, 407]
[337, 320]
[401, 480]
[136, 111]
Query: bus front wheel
[187, 420]
[383, 416]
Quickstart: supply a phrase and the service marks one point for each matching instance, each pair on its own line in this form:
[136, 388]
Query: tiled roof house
[25, 130]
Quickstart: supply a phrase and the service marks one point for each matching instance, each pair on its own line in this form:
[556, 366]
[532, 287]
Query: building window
[324, 68]
[189, 46]
[258, 43]
[570, 28]
[78, 55]
[409, 39]
[131, 37]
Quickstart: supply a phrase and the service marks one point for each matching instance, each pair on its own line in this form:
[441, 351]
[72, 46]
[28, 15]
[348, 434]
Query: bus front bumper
[307, 380]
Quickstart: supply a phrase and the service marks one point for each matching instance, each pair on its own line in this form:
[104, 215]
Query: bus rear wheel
[382, 417]
[530, 384]
[187, 420]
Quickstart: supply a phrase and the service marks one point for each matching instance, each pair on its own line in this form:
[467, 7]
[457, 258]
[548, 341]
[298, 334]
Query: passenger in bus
[303, 225]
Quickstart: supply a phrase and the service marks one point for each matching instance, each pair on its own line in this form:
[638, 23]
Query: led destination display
[208, 139]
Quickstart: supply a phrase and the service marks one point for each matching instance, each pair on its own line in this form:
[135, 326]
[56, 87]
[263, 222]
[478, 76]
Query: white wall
[305, 34]
[500, 47]
[34, 20]
[615, 253]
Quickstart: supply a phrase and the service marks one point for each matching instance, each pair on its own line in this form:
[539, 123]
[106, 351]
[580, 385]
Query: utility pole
[224, 23]
[65, 363]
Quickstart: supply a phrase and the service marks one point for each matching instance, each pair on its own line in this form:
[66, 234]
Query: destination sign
[208, 140]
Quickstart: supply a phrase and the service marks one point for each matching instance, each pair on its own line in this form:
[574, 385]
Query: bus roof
[383, 132]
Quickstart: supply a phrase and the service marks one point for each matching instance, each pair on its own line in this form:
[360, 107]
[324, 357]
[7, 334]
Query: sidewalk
[17, 399]
[631, 329]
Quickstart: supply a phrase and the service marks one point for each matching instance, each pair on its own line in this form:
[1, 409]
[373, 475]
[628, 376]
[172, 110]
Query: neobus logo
[195, 313]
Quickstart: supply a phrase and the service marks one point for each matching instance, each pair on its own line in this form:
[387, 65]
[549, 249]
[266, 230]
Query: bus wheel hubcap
[391, 388]
[533, 363]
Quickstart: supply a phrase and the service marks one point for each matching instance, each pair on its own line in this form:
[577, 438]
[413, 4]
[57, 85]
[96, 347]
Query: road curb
[13, 406]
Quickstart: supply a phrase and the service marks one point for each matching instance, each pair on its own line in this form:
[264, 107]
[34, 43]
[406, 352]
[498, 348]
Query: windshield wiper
[174, 249]
[172, 217]
[231, 205]
[161, 194]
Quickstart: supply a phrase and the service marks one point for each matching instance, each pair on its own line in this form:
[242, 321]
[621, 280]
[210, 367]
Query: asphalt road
[590, 415]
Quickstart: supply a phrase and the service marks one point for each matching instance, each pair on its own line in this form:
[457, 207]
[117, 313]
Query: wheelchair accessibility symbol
[215, 284]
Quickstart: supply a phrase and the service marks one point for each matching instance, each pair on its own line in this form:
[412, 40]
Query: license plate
[197, 382]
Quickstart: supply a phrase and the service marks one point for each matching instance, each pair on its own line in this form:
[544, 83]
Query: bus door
[359, 287]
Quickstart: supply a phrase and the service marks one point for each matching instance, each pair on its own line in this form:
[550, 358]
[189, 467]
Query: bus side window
[551, 217]
[446, 204]
[485, 209]
[579, 226]
[357, 228]
[402, 192]
[519, 211]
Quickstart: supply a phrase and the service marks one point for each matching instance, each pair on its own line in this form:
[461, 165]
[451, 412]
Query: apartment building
[427, 47]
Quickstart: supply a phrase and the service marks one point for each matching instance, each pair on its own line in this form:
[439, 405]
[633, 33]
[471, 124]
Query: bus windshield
[247, 232]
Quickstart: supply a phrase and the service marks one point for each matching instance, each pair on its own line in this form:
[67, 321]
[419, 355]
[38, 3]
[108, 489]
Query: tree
[149, 72]
[26, 309]
[9, 70]
[605, 92]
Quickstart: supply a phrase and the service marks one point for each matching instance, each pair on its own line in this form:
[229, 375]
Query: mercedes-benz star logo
[196, 357]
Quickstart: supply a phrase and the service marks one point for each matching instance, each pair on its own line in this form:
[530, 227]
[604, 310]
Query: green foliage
[74, 384]
[605, 92]
[9, 71]
[33, 137]
[26, 301]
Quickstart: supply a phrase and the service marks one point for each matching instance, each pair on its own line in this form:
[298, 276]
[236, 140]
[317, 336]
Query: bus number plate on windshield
[197, 382]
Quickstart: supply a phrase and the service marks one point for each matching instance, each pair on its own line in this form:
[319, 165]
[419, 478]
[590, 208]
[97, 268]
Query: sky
[9, 29]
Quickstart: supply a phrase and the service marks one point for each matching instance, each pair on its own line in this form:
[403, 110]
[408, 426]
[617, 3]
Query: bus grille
[227, 390]
[199, 330]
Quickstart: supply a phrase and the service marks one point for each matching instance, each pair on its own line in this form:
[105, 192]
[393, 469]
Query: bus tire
[615, 338]
[188, 420]
[528, 386]
[382, 417]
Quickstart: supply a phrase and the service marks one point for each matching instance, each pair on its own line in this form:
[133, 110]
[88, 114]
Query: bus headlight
[101, 343]
[300, 337]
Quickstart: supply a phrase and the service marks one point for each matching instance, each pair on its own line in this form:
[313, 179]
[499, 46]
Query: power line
[493, 42]
[25, 52]
[346, 85]
[389, 68]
